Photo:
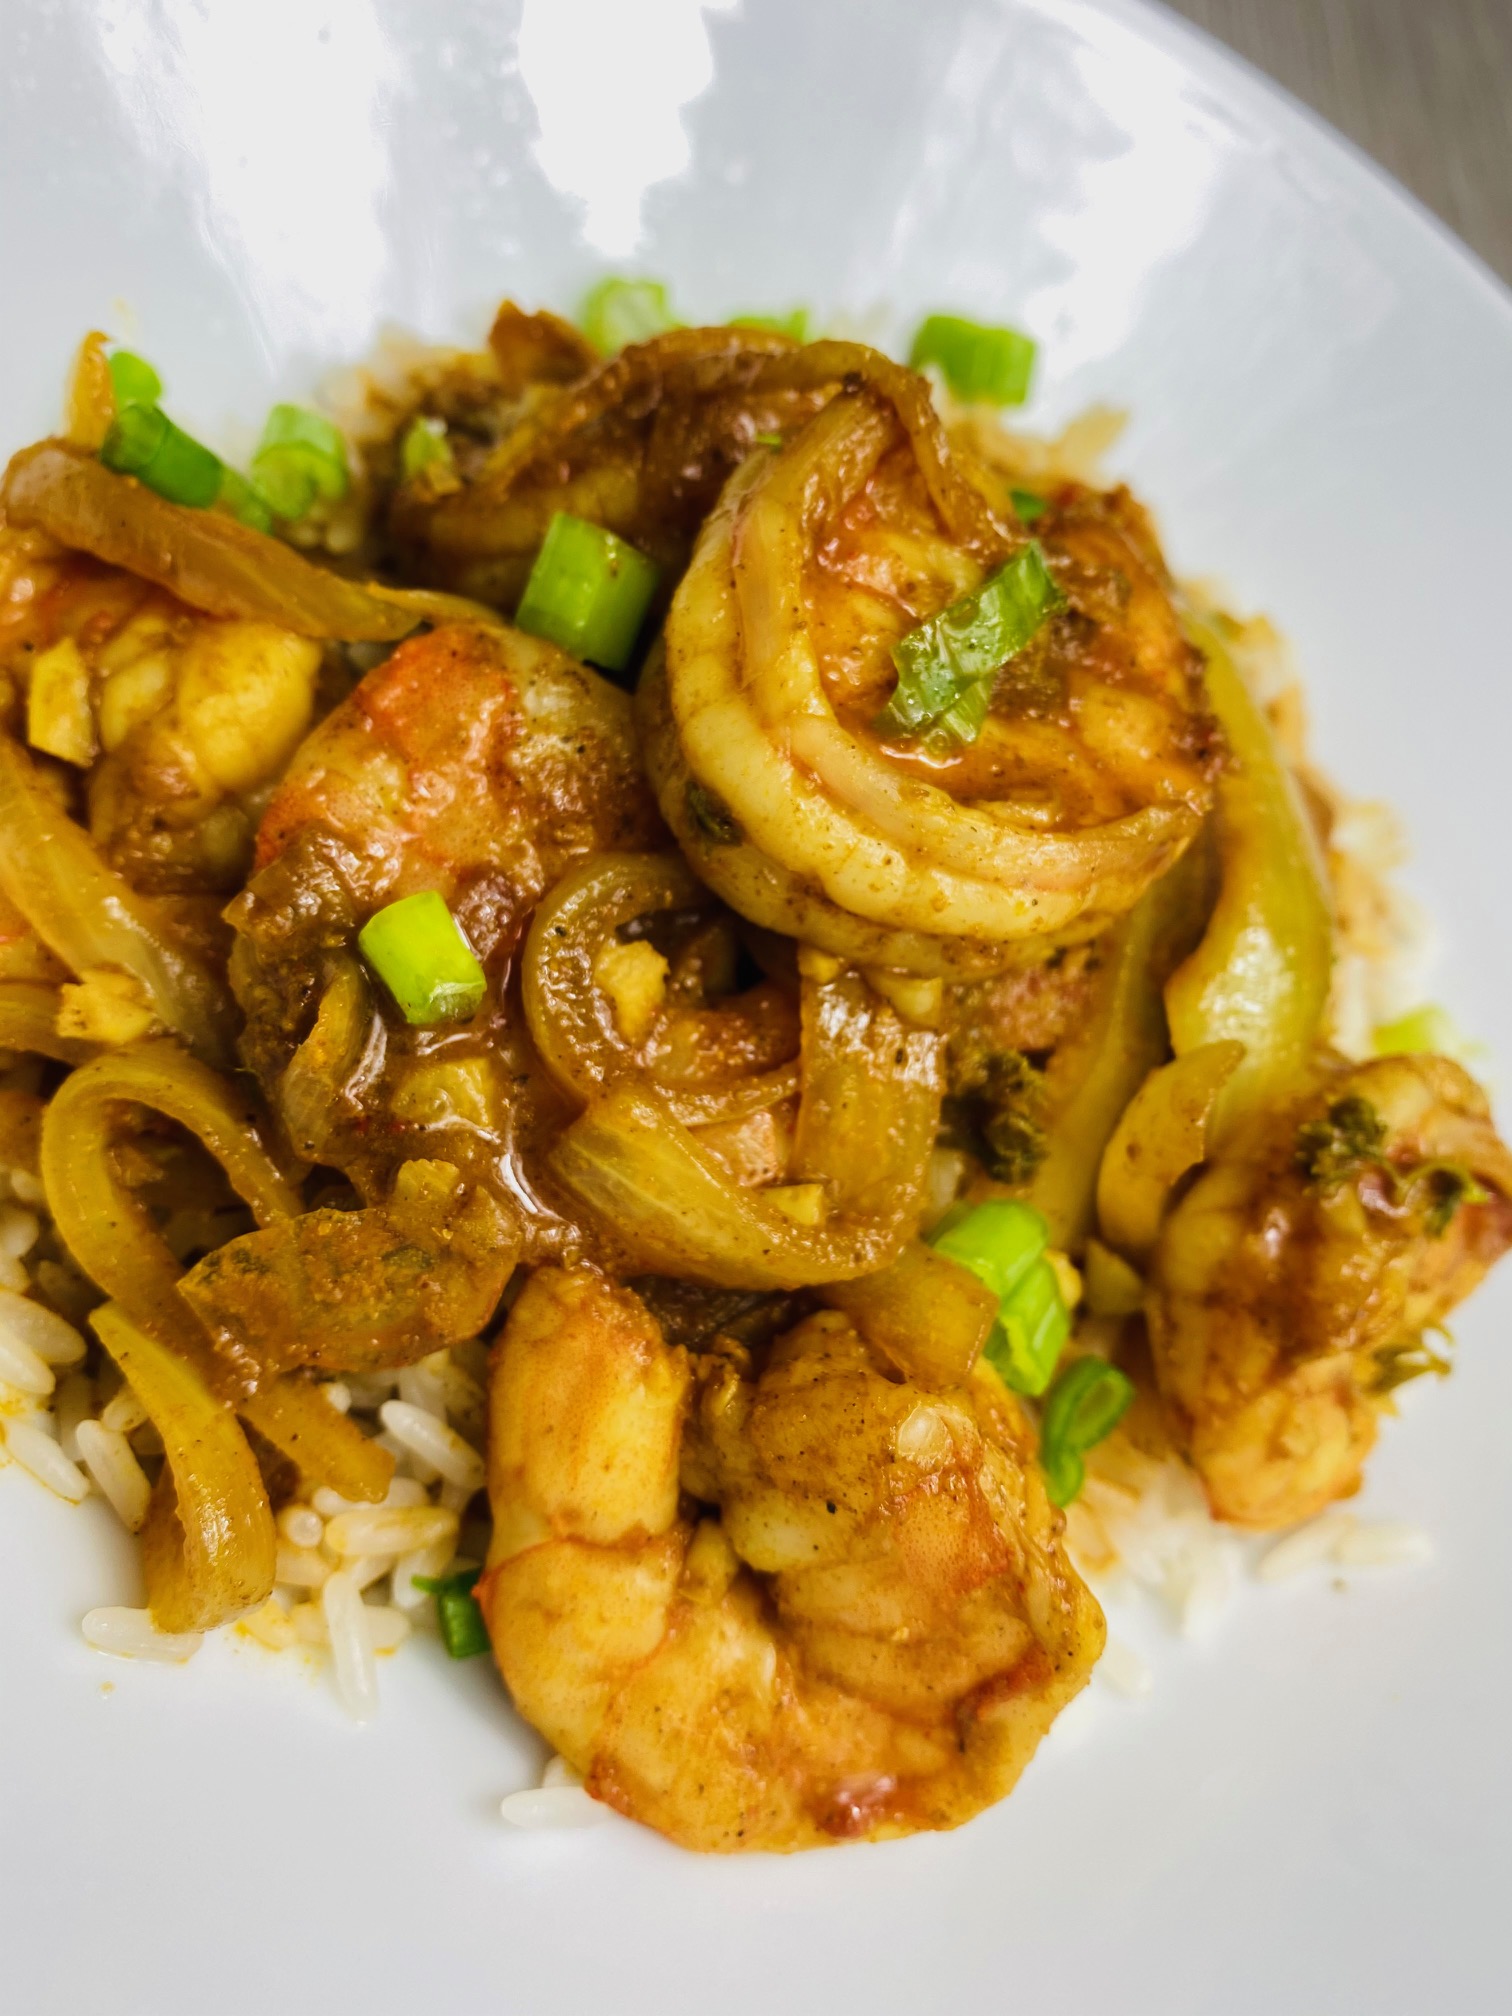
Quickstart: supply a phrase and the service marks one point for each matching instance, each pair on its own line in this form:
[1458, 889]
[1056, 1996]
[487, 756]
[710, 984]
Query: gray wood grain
[1423, 85]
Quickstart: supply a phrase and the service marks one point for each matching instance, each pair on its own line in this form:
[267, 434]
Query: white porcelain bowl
[1311, 1810]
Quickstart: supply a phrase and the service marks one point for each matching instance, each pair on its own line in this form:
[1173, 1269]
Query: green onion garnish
[1030, 1333]
[1003, 1243]
[301, 458]
[423, 446]
[143, 442]
[1086, 1404]
[1027, 506]
[946, 666]
[976, 360]
[1429, 1028]
[766, 440]
[617, 312]
[794, 323]
[239, 498]
[998, 1241]
[458, 1612]
[133, 380]
[417, 949]
[588, 592]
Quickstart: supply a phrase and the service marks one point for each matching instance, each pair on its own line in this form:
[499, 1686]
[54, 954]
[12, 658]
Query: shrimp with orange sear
[770, 1608]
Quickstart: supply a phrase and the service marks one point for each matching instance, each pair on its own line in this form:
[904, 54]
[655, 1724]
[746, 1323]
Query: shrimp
[476, 762]
[178, 721]
[870, 1636]
[764, 725]
[1293, 1283]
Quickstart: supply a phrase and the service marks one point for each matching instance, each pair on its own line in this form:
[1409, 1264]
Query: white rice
[1383, 1543]
[352, 1658]
[35, 1450]
[385, 1627]
[426, 1435]
[1341, 1540]
[390, 1530]
[32, 1323]
[426, 1563]
[301, 1526]
[422, 1391]
[120, 1479]
[301, 1568]
[18, 1232]
[73, 1403]
[125, 1413]
[21, 1367]
[1122, 1669]
[552, 1806]
[131, 1634]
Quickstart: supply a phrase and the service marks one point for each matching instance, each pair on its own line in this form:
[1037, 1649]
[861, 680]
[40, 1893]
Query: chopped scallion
[588, 591]
[946, 666]
[1085, 1405]
[619, 311]
[794, 323]
[1032, 1327]
[458, 1611]
[423, 446]
[976, 359]
[1003, 1243]
[998, 1241]
[417, 949]
[1429, 1028]
[143, 442]
[133, 380]
[239, 498]
[1027, 506]
[300, 460]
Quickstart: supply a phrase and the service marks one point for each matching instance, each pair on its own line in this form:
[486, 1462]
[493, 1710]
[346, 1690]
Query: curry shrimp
[654, 999]
[826, 793]
[769, 1611]
[1299, 1280]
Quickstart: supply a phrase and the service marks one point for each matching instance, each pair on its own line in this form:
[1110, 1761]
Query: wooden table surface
[1423, 85]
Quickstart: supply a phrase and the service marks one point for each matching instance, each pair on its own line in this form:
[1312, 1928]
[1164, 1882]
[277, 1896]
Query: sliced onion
[90, 916]
[209, 1544]
[205, 558]
[29, 1021]
[571, 1021]
[118, 1246]
[867, 1122]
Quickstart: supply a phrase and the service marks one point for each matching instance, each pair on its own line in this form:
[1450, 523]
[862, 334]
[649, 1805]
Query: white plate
[1311, 1812]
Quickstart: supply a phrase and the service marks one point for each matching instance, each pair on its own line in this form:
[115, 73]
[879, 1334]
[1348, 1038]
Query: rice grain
[73, 1402]
[301, 1526]
[356, 1670]
[1124, 1671]
[124, 1412]
[428, 1562]
[54, 1339]
[1382, 1543]
[131, 1634]
[35, 1450]
[111, 1462]
[428, 1437]
[1305, 1547]
[21, 1367]
[547, 1806]
[390, 1530]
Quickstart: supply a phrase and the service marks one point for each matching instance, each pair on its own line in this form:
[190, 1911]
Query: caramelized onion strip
[90, 916]
[572, 1022]
[113, 1238]
[673, 1208]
